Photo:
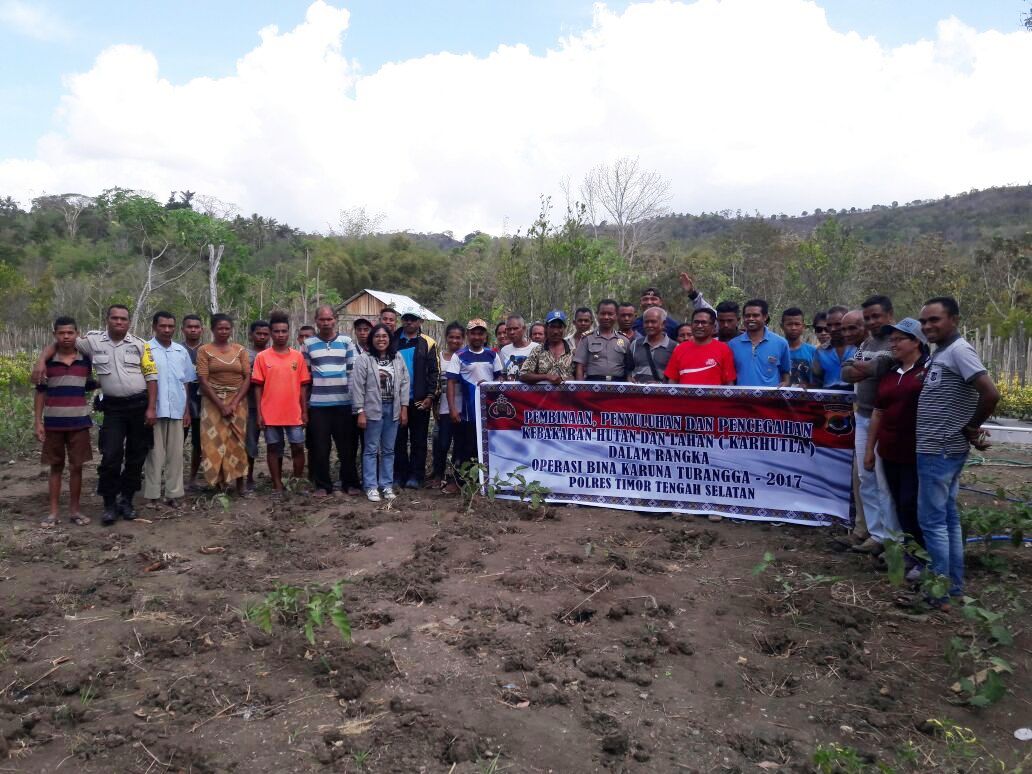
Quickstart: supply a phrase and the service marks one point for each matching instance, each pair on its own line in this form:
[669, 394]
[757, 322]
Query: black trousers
[125, 440]
[902, 481]
[195, 436]
[464, 448]
[442, 442]
[328, 427]
[410, 447]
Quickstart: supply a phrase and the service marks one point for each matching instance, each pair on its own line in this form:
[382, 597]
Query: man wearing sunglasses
[820, 329]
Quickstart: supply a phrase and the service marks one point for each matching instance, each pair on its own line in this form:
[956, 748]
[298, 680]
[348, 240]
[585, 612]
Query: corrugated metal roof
[402, 303]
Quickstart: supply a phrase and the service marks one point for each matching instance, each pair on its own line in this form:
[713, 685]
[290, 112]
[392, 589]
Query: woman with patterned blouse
[224, 371]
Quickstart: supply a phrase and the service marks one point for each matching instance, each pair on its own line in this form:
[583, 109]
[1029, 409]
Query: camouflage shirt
[542, 361]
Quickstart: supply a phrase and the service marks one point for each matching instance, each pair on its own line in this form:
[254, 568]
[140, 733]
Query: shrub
[17, 434]
[305, 608]
[14, 370]
[17, 420]
[1015, 400]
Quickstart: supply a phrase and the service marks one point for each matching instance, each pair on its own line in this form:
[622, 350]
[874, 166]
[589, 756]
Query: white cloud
[752, 104]
[33, 20]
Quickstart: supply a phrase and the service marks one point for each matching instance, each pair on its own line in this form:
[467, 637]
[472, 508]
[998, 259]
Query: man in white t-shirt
[471, 365]
[517, 350]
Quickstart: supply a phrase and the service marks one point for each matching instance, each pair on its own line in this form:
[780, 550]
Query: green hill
[965, 219]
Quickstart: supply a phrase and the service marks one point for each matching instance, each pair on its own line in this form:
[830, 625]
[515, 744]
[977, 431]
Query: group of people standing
[917, 412]
[329, 392]
[371, 398]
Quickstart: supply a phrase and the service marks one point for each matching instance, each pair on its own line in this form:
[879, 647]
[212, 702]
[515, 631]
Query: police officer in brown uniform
[600, 355]
[128, 379]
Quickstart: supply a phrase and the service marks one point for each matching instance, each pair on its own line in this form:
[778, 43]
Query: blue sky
[194, 38]
[766, 105]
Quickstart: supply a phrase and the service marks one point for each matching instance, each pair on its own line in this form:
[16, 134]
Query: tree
[355, 222]
[70, 205]
[629, 195]
[184, 202]
[214, 259]
[916, 270]
[557, 265]
[9, 208]
[754, 254]
[170, 242]
[1005, 265]
[822, 269]
[214, 207]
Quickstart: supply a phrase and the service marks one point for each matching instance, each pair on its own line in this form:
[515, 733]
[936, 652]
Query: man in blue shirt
[175, 371]
[826, 371]
[793, 325]
[762, 358]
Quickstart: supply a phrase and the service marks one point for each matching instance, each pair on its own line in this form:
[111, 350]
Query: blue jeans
[379, 440]
[938, 479]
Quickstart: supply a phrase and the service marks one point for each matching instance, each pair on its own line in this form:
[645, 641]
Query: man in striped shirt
[957, 397]
[63, 419]
[330, 357]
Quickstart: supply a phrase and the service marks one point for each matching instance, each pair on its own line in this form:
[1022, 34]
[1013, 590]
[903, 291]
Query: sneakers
[869, 546]
[110, 515]
[412, 484]
[373, 496]
[388, 493]
[914, 573]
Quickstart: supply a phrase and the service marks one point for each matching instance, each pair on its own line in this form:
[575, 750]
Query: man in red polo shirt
[703, 360]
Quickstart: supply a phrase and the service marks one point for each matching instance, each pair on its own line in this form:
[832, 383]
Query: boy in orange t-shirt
[279, 376]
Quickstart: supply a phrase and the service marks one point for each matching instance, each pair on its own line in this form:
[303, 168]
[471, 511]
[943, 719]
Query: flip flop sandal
[79, 519]
[49, 521]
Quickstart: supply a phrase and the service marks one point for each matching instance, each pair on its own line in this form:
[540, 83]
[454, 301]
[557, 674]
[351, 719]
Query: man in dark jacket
[419, 352]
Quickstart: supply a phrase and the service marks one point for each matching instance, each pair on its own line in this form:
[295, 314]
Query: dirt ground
[562, 640]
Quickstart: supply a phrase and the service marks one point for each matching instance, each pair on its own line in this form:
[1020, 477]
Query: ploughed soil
[505, 639]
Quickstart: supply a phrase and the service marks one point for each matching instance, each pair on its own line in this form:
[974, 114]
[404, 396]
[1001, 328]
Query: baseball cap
[411, 316]
[361, 320]
[909, 326]
[555, 314]
[476, 322]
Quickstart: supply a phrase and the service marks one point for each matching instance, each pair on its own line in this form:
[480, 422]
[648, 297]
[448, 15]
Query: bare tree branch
[356, 222]
[214, 261]
[631, 196]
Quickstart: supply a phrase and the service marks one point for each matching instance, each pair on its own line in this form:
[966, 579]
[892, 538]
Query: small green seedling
[306, 608]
